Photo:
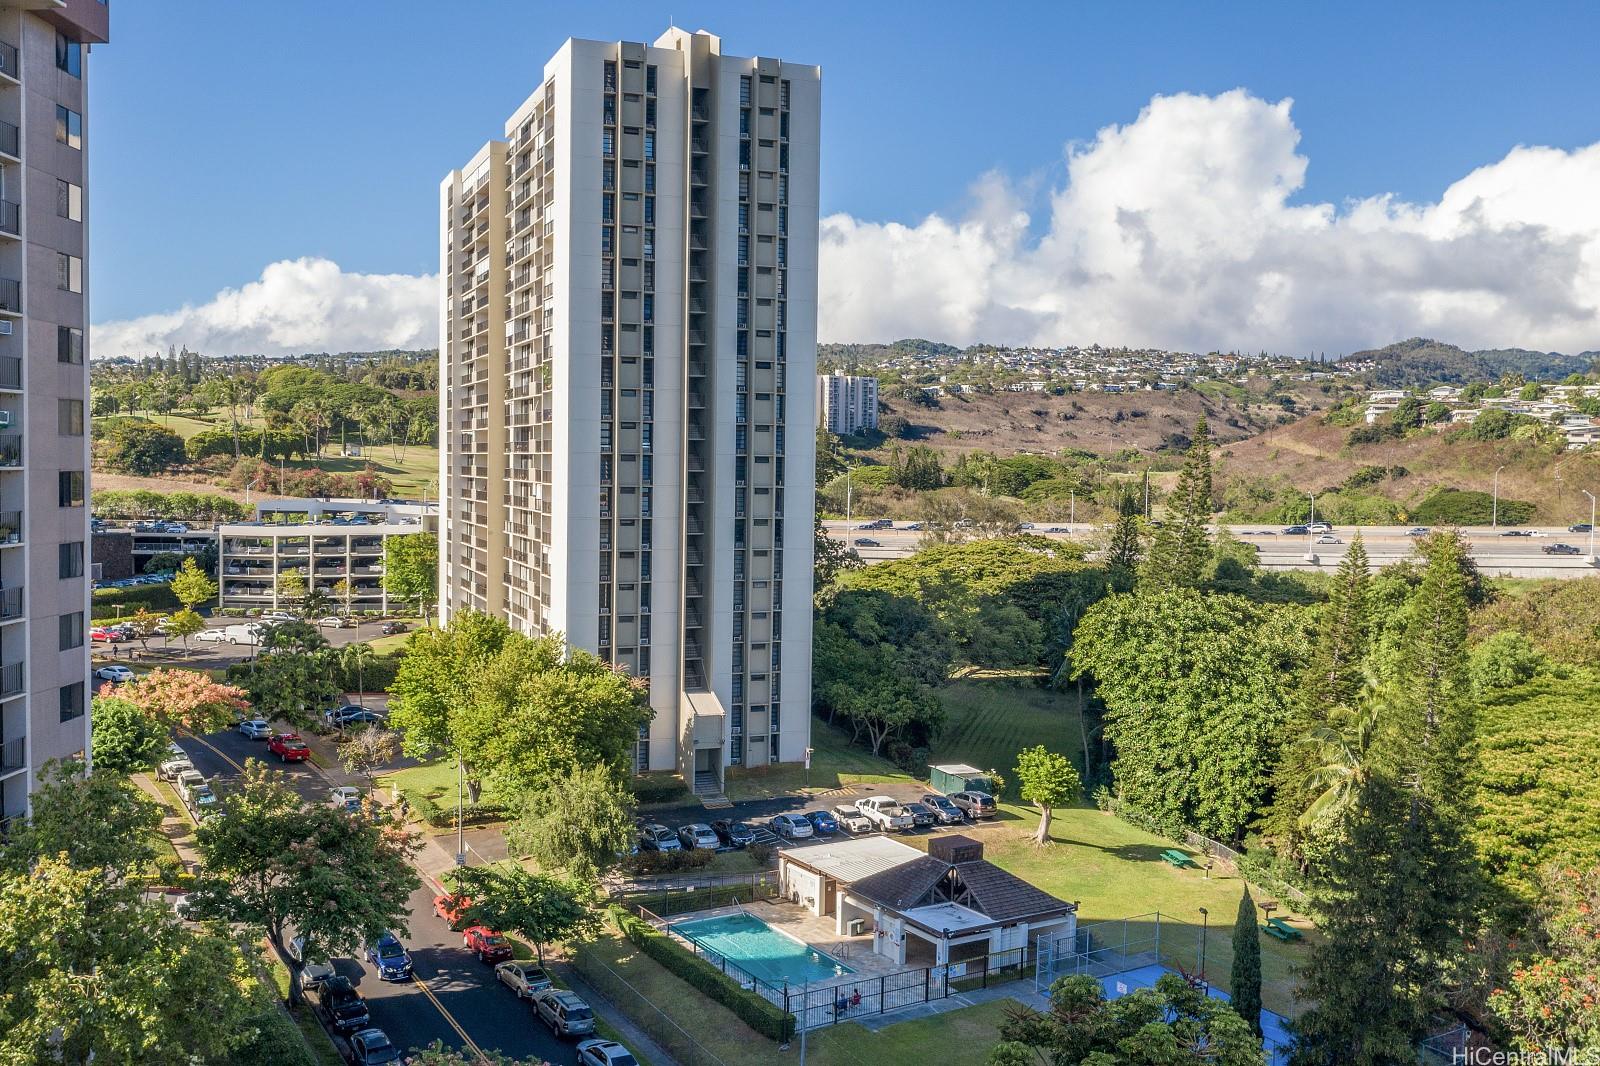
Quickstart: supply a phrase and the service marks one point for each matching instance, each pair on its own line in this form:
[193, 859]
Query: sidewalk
[631, 1034]
[176, 826]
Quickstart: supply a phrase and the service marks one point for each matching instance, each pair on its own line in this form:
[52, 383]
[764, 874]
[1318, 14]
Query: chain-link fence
[671, 1036]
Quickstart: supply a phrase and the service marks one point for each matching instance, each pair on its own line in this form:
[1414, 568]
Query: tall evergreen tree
[1246, 987]
[1122, 553]
[1397, 893]
[1191, 510]
[1332, 679]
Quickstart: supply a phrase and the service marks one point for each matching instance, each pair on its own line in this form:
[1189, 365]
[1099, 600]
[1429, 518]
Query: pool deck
[797, 922]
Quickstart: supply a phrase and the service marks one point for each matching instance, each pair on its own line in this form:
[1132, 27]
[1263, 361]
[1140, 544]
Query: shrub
[661, 862]
[656, 789]
[1463, 507]
[755, 1011]
[158, 599]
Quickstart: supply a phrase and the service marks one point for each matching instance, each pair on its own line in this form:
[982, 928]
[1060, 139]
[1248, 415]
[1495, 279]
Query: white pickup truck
[886, 813]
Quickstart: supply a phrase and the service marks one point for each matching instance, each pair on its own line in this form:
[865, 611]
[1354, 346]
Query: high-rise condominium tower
[44, 386]
[628, 285]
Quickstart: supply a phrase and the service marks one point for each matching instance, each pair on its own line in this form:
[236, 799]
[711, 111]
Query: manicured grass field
[955, 1038]
[835, 763]
[993, 717]
[436, 781]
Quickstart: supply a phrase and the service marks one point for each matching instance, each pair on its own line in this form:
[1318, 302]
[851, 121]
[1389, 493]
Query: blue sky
[226, 136]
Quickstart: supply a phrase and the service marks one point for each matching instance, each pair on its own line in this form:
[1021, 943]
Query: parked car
[1418, 531]
[886, 813]
[372, 1047]
[944, 812]
[117, 675]
[288, 747]
[313, 972]
[335, 621]
[822, 823]
[346, 796]
[1329, 538]
[203, 802]
[791, 826]
[850, 819]
[351, 714]
[564, 1012]
[604, 1053]
[389, 629]
[974, 805]
[1579, 527]
[186, 782]
[342, 1005]
[255, 728]
[1562, 549]
[657, 837]
[698, 835]
[173, 767]
[278, 618]
[452, 908]
[106, 635]
[486, 944]
[390, 957]
[523, 978]
[733, 833]
[921, 817]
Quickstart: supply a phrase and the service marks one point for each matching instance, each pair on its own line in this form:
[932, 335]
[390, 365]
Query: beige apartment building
[628, 286]
[847, 404]
[44, 386]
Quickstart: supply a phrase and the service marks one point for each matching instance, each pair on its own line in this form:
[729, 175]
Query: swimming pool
[760, 950]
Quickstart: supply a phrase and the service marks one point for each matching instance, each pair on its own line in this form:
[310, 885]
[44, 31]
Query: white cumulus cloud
[297, 305]
[1178, 230]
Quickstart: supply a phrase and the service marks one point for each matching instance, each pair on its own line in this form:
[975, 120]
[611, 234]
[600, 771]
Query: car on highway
[390, 958]
[452, 908]
[1319, 527]
[733, 833]
[1053, 529]
[974, 804]
[657, 837]
[1579, 527]
[604, 1053]
[698, 835]
[178, 764]
[1418, 531]
[913, 527]
[823, 824]
[389, 629]
[372, 1047]
[849, 818]
[921, 816]
[945, 812]
[868, 542]
[1562, 549]
[1517, 533]
[1329, 538]
[288, 747]
[791, 826]
[524, 978]
[255, 728]
[1291, 531]
[342, 1005]
[335, 621]
[347, 797]
[564, 1012]
[117, 675]
[485, 943]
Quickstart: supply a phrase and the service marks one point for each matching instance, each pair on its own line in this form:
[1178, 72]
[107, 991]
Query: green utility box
[959, 777]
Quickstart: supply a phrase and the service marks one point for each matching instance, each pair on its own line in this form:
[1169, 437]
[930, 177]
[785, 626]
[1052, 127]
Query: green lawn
[836, 763]
[992, 718]
[955, 1038]
[436, 781]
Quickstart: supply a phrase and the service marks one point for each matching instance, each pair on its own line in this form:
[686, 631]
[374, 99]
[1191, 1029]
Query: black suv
[734, 833]
[346, 1011]
[1562, 549]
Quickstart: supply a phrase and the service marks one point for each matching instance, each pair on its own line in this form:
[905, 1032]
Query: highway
[454, 998]
[1495, 553]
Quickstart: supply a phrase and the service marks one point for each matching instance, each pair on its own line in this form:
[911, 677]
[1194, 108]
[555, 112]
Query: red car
[452, 908]
[288, 747]
[106, 634]
[487, 944]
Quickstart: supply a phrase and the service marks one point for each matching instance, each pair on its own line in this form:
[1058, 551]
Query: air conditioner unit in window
[5, 419]
[5, 327]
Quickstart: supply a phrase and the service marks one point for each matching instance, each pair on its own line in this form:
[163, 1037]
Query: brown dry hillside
[1008, 422]
[1313, 457]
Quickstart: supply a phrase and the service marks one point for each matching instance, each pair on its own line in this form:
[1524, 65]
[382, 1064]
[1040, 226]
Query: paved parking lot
[201, 655]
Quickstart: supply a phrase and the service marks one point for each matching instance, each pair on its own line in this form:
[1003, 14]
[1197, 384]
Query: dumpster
[958, 777]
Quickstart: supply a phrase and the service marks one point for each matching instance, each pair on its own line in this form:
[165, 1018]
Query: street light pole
[1494, 513]
[461, 851]
[1589, 494]
[1205, 926]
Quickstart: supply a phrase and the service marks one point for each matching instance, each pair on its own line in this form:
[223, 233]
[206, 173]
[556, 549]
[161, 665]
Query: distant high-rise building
[628, 285]
[44, 387]
[846, 404]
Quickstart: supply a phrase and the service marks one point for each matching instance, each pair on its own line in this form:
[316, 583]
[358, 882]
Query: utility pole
[1494, 513]
[461, 851]
[1589, 494]
[1205, 926]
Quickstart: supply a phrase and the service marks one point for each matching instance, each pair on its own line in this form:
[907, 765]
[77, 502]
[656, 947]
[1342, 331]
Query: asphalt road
[454, 998]
[202, 655]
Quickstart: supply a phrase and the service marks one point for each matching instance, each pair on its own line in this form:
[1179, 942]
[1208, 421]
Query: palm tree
[357, 657]
[1345, 747]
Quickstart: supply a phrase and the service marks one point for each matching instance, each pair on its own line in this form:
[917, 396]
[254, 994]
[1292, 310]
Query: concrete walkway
[176, 825]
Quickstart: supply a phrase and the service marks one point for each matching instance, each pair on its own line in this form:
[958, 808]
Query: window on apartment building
[69, 272]
[69, 127]
[69, 559]
[744, 91]
[69, 55]
[607, 141]
[69, 200]
[71, 630]
[69, 488]
[650, 78]
[72, 701]
[69, 417]
[649, 144]
[69, 345]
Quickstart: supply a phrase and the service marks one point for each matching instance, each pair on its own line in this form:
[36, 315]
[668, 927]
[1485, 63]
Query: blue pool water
[1275, 1035]
[760, 950]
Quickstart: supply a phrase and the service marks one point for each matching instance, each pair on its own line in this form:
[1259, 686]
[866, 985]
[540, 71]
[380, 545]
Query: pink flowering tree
[187, 699]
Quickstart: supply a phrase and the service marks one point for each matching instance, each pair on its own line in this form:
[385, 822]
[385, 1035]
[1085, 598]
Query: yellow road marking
[218, 752]
[462, 1033]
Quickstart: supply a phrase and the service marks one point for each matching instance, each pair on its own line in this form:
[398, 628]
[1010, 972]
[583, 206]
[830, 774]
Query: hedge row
[157, 599]
[442, 817]
[764, 1017]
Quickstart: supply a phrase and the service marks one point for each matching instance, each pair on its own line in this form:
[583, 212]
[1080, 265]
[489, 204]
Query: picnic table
[1281, 930]
[1177, 859]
